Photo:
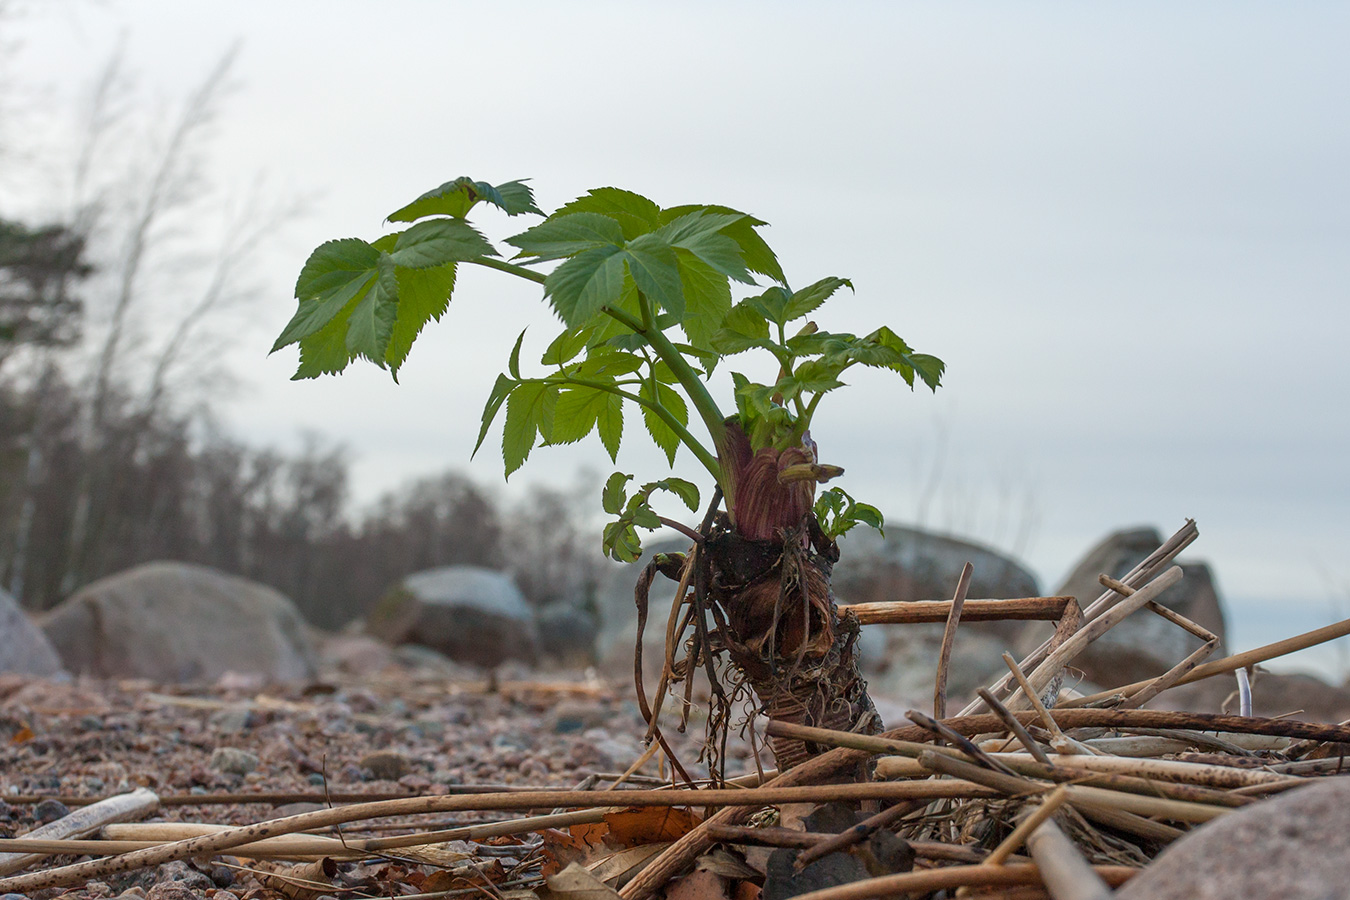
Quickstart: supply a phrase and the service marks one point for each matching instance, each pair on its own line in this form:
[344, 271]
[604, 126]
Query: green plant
[645, 297]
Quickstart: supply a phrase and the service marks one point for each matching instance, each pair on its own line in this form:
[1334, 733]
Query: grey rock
[567, 633]
[24, 649]
[50, 810]
[175, 622]
[232, 761]
[471, 614]
[1295, 845]
[1144, 645]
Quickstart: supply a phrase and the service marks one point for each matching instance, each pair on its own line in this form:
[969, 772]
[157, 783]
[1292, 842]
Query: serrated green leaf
[620, 542]
[930, 369]
[439, 241]
[610, 425]
[687, 491]
[423, 295]
[743, 328]
[646, 517]
[372, 320]
[614, 494]
[608, 362]
[754, 251]
[528, 412]
[818, 376]
[325, 351]
[456, 198]
[868, 515]
[517, 198]
[809, 298]
[585, 284]
[513, 363]
[699, 233]
[576, 412]
[567, 235]
[652, 264]
[772, 304]
[500, 390]
[665, 437]
[565, 347]
[634, 212]
[335, 273]
[707, 299]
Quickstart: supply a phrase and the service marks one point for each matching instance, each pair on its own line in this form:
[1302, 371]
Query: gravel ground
[405, 730]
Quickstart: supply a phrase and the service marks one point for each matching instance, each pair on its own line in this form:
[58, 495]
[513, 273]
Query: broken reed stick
[81, 822]
[948, 639]
[1136, 577]
[935, 612]
[233, 837]
[1138, 804]
[958, 740]
[1209, 642]
[774, 836]
[1229, 663]
[1058, 740]
[1093, 629]
[1065, 872]
[925, 882]
[1014, 726]
[895, 767]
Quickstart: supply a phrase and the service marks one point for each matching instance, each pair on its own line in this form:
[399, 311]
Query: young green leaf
[334, 274]
[700, 233]
[772, 305]
[560, 236]
[930, 369]
[500, 389]
[634, 212]
[513, 362]
[743, 328]
[665, 437]
[372, 320]
[584, 285]
[809, 298]
[707, 299]
[529, 412]
[456, 198]
[439, 241]
[754, 251]
[576, 413]
[423, 295]
[325, 351]
[687, 491]
[613, 496]
[610, 425]
[651, 262]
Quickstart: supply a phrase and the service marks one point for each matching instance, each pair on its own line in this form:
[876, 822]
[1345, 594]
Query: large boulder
[171, 621]
[1295, 845]
[469, 613]
[24, 649]
[1144, 645]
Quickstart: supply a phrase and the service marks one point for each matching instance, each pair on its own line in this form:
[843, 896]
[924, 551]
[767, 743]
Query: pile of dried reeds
[1019, 801]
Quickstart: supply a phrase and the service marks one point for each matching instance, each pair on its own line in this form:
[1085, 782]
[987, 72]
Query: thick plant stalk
[783, 632]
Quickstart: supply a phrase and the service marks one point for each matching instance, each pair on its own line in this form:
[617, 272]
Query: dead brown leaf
[699, 884]
[648, 825]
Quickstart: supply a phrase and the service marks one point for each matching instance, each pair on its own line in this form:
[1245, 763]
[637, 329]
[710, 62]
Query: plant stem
[510, 268]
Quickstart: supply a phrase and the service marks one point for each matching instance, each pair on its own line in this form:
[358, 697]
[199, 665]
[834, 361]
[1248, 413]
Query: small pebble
[385, 765]
[233, 761]
[50, 811]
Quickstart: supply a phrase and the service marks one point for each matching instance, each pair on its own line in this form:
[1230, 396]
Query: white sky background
[1123, 226]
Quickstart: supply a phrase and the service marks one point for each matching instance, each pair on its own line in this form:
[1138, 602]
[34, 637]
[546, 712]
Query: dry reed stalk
[1137, 804]
[81, 822]
[1209, 641]
[1058, 740]
[1230, 663]
[233, 837]
[920, 883]
[1014, 726]
[1136, 577]
[1091, 630]
[1205, 774]
[935, 612]
[1065, 872]
[949, 638]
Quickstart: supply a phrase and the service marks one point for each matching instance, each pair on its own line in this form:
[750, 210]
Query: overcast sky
[1123, 226]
